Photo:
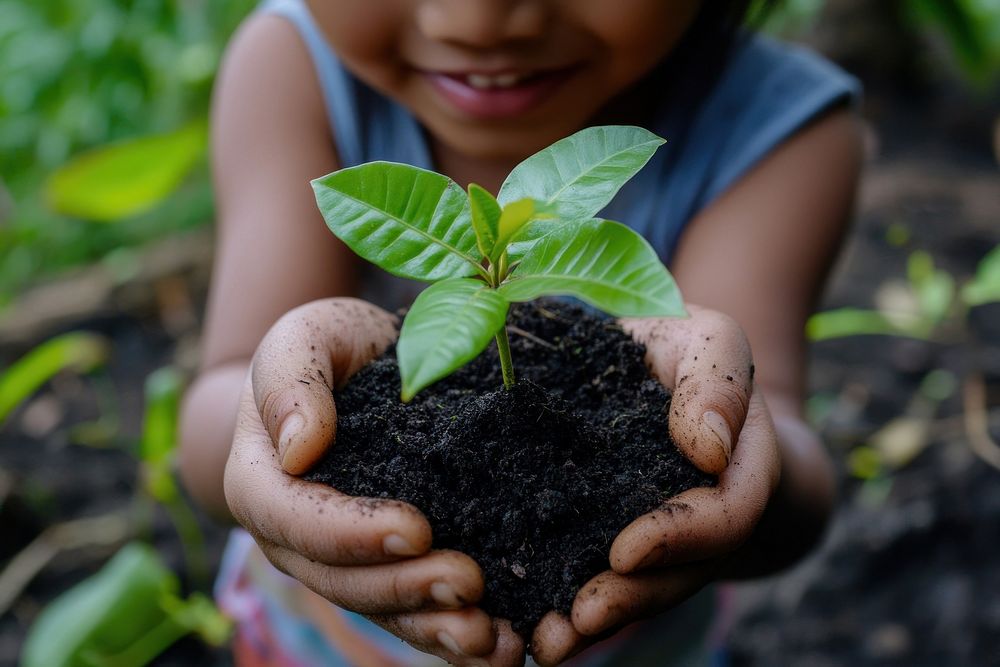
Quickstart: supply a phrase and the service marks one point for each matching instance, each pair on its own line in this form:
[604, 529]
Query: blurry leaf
[966, 32]
[580, 174]
[938, 385]
[787, 18]
[78, 351]
[864, 463]
[934, 288]
[118, 609]
[411, 222]
[449, 324]
[201, 615]
[844, 322]
[897, 234]
[901, 440]
[126, 178]
[604, 263]
[159, 432]
[985, 287]
[875, 491]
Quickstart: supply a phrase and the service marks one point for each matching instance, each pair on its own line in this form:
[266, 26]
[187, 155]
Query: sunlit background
[105, 249]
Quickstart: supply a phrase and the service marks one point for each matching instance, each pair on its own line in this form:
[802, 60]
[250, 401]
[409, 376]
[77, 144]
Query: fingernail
[290, 429]
[395, 545]
[449, 643]
[445, 595]
[715, 427]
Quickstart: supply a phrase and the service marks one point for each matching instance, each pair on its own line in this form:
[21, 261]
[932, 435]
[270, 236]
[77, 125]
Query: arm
[273, 251]
[240, 448]
[761, 255]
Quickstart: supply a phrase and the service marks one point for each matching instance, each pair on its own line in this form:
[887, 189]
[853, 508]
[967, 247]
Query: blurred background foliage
[136, 75]
[78, 74]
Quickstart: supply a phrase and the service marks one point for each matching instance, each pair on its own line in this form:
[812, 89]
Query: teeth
[480, 81]
[506, 80]
[485, 81]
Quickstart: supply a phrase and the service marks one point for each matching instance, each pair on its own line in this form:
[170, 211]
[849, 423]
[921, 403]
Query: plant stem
[506, 367]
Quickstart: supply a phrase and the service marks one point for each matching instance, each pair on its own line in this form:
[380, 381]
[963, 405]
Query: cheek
[638, 33]
[364, 33]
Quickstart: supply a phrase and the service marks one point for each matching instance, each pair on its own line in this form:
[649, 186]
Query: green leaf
[985, 287]
[603, 263]
[578, 176]
[449, 324]
[126, 178]
[514, 217]
[411, 222]
[934, 288]
[844, 322]
[117, 611]
[967, 32]
[78, 351]
[485, 218]
[159, 432]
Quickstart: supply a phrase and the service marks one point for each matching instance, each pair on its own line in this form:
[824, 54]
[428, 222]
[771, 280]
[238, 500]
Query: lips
[496, 95]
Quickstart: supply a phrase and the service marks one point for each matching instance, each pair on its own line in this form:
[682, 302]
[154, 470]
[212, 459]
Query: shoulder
[267, 79]
[766, 95]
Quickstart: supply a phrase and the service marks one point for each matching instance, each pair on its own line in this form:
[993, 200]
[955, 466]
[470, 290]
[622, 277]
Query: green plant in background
[79, 74]
[931, 305]
[123, 616]
[537, 238]
[79, 352]
[970, 28]
[130, 611]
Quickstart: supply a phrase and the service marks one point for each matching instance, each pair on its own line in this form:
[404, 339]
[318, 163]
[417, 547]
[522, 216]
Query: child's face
[496, 79]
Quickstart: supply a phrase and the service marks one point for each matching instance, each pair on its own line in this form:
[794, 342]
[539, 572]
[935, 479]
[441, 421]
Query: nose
[481, 23]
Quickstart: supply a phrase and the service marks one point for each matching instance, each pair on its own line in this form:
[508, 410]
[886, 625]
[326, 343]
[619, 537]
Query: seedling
[538, 237]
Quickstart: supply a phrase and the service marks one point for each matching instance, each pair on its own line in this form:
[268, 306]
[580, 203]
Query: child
[748, 202]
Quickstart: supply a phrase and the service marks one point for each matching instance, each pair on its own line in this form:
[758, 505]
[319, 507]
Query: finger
[510, 648]
[460, 637]
[610, 600]
[707, 522]
[312, 519]
[555, 640]
[705, 360]
[308, 352]
[441, 579]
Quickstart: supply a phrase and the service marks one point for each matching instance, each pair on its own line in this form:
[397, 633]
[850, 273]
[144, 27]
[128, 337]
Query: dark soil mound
[533, 483]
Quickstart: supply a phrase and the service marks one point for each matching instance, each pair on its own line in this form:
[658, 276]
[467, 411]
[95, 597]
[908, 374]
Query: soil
[534, 483]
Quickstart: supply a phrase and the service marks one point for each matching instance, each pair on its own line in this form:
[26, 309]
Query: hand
[366, 555]
[721, 423]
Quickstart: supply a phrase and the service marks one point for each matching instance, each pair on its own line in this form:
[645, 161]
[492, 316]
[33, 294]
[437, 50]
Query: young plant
[538, 237]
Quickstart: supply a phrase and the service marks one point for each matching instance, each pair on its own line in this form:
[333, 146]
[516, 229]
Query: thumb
[307, 353]
[705, 360]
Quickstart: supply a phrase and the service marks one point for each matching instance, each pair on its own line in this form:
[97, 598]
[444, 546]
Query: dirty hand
[721, 423]
[371, 557]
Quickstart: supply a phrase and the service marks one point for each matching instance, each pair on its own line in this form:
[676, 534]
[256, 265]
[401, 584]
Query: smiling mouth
[497, 95]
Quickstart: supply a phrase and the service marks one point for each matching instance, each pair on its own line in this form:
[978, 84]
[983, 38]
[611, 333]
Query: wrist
[208, 419]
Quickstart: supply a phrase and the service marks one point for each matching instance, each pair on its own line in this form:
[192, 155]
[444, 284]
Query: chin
[499, 143]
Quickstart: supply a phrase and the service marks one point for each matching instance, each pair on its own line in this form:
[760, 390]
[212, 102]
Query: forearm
[797, 516]
[208, 418]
